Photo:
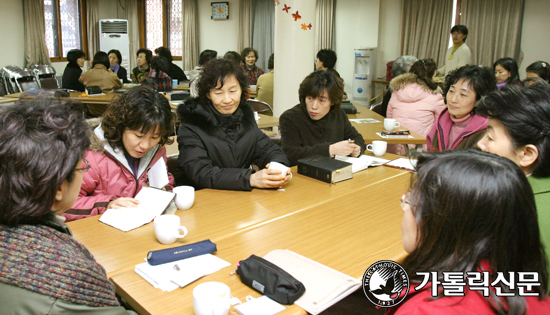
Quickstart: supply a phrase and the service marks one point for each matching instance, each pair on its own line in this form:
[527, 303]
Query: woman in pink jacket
[416, 100]
[128, 141]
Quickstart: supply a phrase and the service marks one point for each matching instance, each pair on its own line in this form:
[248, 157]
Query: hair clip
[544, 64]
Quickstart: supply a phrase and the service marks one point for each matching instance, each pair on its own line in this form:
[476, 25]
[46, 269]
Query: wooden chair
[45, 76]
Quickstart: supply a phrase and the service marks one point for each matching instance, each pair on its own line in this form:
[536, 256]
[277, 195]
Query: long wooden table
[320, 221]
[369, 130]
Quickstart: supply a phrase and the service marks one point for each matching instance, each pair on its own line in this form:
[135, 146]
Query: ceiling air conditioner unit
[113, 34]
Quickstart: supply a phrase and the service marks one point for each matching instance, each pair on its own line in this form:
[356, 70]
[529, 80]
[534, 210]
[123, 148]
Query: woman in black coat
[73, 70]
[115, 59]
[219, 139]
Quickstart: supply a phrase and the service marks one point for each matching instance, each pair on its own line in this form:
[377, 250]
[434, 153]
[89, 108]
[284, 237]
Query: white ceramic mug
[211, 298]
[279, 166]
[168, 228]
[253, 88]
[390, 124]
[185, 197]
[378, 147]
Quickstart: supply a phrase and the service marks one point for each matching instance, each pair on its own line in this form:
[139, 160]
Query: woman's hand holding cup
[275, 175]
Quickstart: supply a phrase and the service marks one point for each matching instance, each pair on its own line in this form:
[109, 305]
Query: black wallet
[270, 280]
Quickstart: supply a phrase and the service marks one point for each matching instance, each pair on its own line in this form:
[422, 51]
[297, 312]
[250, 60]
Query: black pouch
[270, 280]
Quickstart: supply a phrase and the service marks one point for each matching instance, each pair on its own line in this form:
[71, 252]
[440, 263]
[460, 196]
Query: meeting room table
[346, 226]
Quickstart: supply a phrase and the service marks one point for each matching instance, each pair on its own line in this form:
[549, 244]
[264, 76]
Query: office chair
[260, 107]
[10, 74]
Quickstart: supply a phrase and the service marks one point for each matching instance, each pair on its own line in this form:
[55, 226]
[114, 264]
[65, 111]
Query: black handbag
[270, 280]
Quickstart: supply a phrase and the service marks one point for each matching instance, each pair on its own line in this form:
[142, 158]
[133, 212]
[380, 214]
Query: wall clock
[220, 10]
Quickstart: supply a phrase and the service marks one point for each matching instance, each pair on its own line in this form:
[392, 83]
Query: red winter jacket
[110, 177]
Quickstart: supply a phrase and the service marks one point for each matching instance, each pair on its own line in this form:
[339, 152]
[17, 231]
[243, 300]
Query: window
[163, 25]
[63, 21]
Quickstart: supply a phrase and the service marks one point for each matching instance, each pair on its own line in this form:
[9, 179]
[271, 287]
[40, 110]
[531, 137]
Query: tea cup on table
[390, 124]
[211, 298]
[168, 228]
[185, 197]
[378, 147]
[174, 83]
[281, 167]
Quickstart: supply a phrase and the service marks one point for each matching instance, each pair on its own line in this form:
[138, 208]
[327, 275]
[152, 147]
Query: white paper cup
[211, 298]
[378, 147]
[168, 228]
[390, 124]
[185, 197]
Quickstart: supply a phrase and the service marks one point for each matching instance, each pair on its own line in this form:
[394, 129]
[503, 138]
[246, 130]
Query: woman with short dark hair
[459, 55]
[115, 59]
[158, 79]
[143, 58]
[469, 212]
[318, 125]
[506, 72]
[194, 75]
[126, 143]
[100, 74]
[458, 126]
[43, 269]
[73, 70]
[173, 71]
[219, 139]
[249, 57]
[539, 69]
[519, 129]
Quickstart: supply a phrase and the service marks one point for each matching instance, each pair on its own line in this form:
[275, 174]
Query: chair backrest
[48, 83]
[10, 74]
[26, 83]
[260, 107]
[3, 90]
[45, 76]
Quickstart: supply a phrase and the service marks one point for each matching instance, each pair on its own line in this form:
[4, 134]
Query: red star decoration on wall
[296, 16]
[286, 8]
[309, 26]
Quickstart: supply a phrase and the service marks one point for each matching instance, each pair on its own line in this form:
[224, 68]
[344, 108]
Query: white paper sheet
[405, 163]
[153, 203]
[158, 175]
[168, 277]
[364, 120]
[260, 306]
[395, 136]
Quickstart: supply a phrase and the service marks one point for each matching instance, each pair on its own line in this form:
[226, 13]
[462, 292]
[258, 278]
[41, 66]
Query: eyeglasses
[84, 169]
[406, 199]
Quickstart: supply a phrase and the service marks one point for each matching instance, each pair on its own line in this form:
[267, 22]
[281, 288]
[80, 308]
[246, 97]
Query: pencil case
[163, 256]
[270, 280]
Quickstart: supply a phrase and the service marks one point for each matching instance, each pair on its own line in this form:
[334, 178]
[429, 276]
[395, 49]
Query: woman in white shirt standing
[459, 54]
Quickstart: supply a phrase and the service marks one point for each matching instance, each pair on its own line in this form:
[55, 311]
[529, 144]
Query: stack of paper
[362, 162]
[405, 163]
[180, 273]
[324, 286]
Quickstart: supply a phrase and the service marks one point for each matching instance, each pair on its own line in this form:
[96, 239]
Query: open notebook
[362, 162]
[153, 202]
[324, 285]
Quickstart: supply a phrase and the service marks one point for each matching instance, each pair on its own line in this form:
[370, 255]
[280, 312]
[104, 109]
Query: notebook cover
[324, 168]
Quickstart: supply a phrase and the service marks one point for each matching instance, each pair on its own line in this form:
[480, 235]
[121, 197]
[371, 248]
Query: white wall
[218, 35]
[12, 36]
[356, 25]
[534, 39]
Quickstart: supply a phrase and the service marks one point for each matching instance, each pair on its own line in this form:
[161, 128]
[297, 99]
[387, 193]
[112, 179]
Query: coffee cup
[279, 166]
[377, 147]
[211, 298]
[390, 124]
[185, 197]
[253, 88]
[174, 83]
[168, 228]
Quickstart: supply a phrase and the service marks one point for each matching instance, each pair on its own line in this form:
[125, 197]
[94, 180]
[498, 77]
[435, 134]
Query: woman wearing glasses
[128, 141]
[416, 100]
[43, 269]
[471, 212]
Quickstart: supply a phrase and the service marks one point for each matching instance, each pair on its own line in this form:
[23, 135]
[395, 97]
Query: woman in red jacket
[128, 141]
[470, 212]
